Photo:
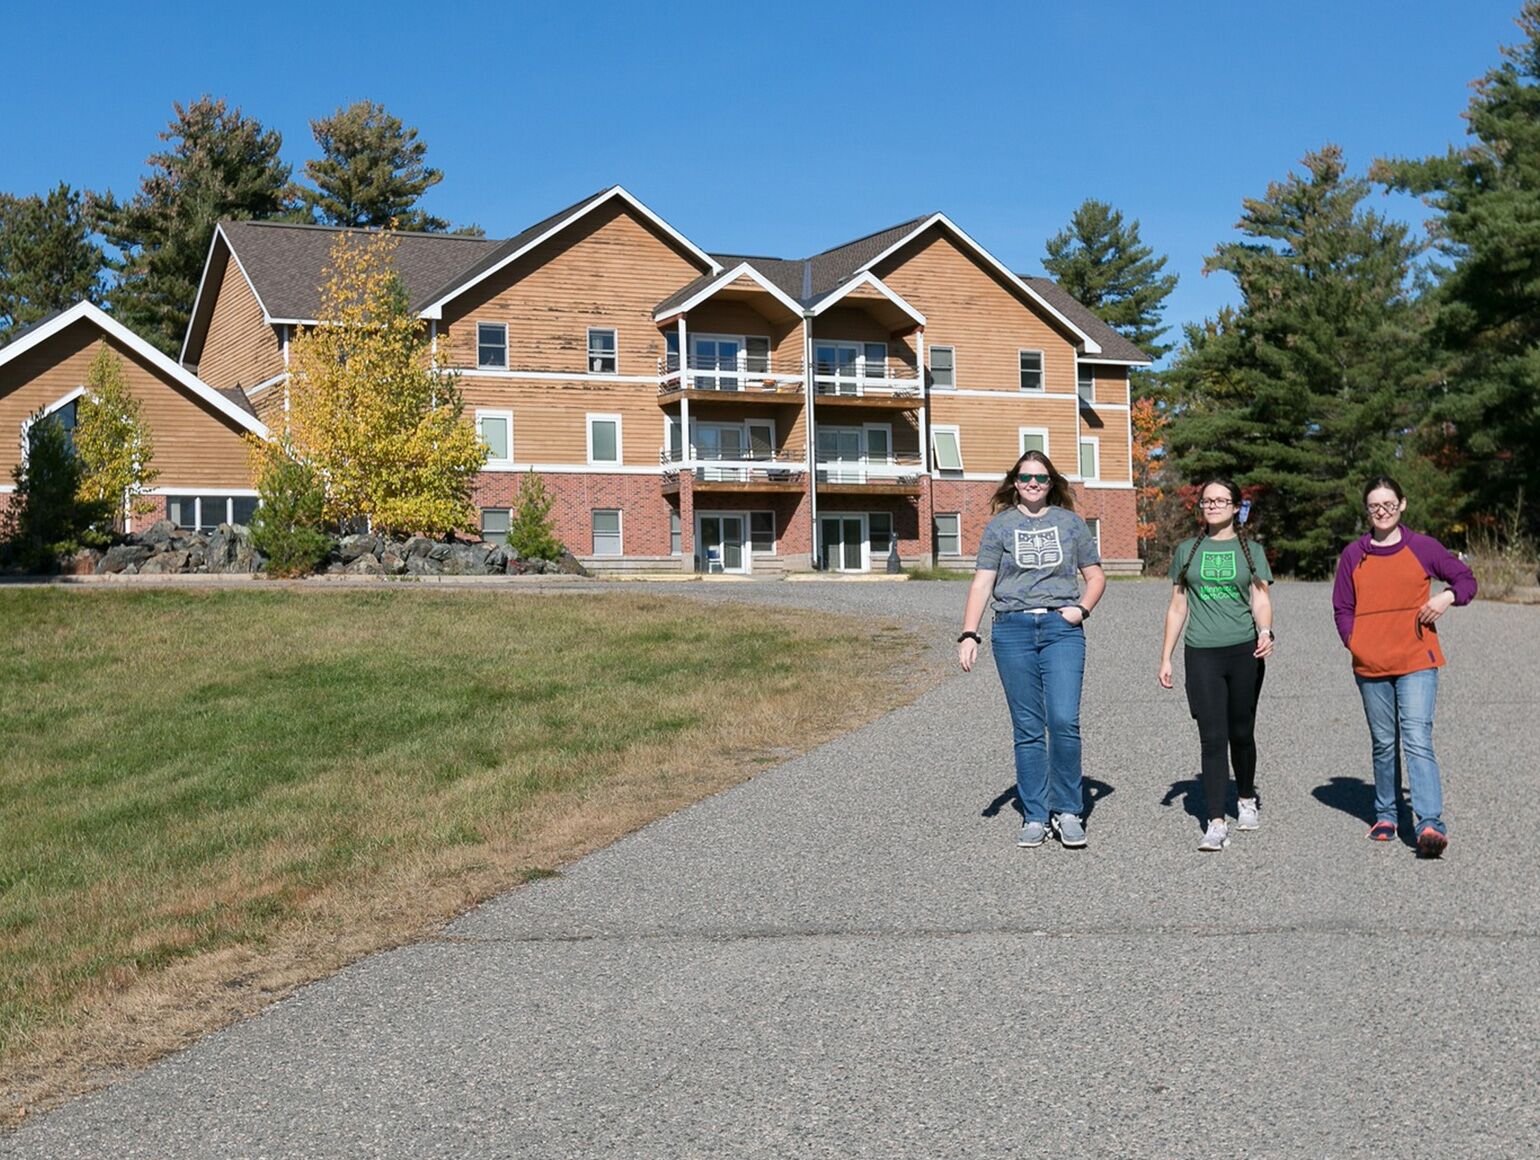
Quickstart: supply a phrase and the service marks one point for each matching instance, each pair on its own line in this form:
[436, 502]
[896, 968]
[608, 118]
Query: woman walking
[1387, 619]
[1219, 593]
[1027, 564]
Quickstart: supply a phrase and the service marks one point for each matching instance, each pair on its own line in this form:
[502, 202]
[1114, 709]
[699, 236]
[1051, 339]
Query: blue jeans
[1404, 705]
[1041, 661]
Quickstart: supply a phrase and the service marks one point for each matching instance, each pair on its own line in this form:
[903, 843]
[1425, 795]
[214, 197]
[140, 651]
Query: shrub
[287, 528]
[1504, 558]
[47, 518]
[530, 532]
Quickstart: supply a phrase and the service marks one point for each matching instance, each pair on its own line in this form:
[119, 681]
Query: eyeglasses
[1216, 503]
[1384, 509]
[1033, 477]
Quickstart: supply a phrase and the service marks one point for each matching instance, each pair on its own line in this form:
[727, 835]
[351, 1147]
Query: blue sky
[785, 128]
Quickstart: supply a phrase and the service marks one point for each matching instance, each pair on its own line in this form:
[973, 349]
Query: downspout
[812, 440]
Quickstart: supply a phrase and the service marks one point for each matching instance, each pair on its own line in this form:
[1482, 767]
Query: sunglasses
[1033, 477]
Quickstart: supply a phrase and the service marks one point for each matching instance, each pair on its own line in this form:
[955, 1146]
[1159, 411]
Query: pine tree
[530, 532]
[46, 517]
[1104, 265]
[1487, 305]
[48, 259]
[112, 442]
[220, 164]
[1320, 378]
[371, 172]
[289, 525]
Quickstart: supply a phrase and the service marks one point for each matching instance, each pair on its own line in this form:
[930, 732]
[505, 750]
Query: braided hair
[1235, 497]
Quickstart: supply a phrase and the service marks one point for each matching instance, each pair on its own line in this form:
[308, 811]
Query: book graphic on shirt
[1038, 549]
[1217, 566]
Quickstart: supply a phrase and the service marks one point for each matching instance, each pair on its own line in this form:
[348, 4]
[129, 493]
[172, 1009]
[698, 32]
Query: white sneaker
[1247, 819]
[1216, 837]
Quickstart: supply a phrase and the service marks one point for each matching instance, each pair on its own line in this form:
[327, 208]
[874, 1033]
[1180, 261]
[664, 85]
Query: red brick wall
[645, 510]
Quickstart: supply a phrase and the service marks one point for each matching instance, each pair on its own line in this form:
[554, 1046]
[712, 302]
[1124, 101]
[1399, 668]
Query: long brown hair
[1240, 533]
[1058, 487]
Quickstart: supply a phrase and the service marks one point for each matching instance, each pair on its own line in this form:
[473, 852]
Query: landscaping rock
[164, 563]
[569, 565]
[82, 563]
[440, 551]
[159, 532]
[122, 557]
[417, 546]
[352, 547]
[420, 566]
[365, 565]
[393, 563]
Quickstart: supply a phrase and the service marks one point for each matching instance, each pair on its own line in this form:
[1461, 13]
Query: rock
[131, 570]
[569, 564]
[510, 551]
[393, 563]
[495, 560]
[440, 551]
[352, 547]
[420, 566]
[417, 546]
[514, 567]
[336, 568]
[121, 557]
[197, 558]
[219, 550]
[365, 565]
[82, 563]
[160, 532]
[165, 563]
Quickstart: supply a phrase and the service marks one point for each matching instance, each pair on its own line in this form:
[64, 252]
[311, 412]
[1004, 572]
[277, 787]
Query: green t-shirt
[1219, 591]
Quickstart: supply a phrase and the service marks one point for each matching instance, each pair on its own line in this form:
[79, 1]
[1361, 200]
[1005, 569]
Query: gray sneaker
[1247, 816]
[1215, 838]
[1071, 833]
[1032, 834]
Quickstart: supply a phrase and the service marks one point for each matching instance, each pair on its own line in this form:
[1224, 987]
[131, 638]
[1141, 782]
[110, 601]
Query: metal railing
[746, 465]
[900, 469]
[745, 373]
[887, 379]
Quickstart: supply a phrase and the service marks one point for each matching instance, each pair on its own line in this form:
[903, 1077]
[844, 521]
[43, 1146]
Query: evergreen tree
[289, 525]
[1103, 264]
[1319, 379]
[46, 517]
[371, 172]
[48, 259]
[220, 164]
[1487, 315]
[530, 532]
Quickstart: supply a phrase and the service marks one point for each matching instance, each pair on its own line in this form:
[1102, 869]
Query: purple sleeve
[1442, 564]
[1344, 599]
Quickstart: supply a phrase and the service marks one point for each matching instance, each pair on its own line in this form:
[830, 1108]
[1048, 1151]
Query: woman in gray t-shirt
[1029, 558]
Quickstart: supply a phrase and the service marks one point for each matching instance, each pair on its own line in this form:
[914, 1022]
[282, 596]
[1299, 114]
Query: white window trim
[588, 350]
[935, 459]
[496, 461]
[1096, 457]
[892, 531]
[620, 454]
[508, 511]
[197, 497]
[934, 518]
[748, 436]
[620, 533]
[930, 365]
[866, 446]
[507, 357]
[1091, 402]
[57, 405]
[675, 518]
[775, 532]
[1021, 439]
[1042, 372]
[1096, 531]
[866, 538]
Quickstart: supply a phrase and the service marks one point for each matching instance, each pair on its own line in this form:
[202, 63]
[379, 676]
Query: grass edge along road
[213, 797]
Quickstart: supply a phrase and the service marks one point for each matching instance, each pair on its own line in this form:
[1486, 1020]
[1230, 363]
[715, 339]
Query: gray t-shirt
[1036, 560]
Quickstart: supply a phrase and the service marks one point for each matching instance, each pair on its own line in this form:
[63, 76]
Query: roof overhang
[721, 283]
[85, 311]
[1117, 362]
[1089, 344]
[867, 278]
[435, 309]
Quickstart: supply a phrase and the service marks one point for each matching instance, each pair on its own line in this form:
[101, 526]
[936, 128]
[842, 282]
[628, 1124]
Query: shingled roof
[1115, 348]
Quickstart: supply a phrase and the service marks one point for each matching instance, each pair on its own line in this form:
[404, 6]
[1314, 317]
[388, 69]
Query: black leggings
[1223, 686]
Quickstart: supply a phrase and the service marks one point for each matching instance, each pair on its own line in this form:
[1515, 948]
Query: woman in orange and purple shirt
[1387, 619]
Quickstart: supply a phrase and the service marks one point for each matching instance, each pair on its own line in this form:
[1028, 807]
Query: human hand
[1072, 613]
[1435, 607]
[1264, 647]
[1164, 676]
[967, 654]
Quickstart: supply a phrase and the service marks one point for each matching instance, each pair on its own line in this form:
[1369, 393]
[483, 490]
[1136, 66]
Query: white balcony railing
[898, 469]
[745, 373]
[744, 465]
[890, 379]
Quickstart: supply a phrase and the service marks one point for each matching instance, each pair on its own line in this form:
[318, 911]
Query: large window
[604, 439]
[947, 449]
[204, 513]
[601, 352]
[496, 431]
[1089, 467]
[943, 367]
[756, 353]
[1032, 370]
[762, 533]
[492, 346]
[606, 532]
[880, 532]
[494, 525]
[1033, 439]
[948, 534]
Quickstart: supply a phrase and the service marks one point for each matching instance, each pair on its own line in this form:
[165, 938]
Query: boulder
[365, 565]
[392, 562]
[417, 546]
[160, 532]
[121, 557]
[352, 547]
[569, 564]
[82, 563]
[440, 551]
[219, 550]
[421, 566]
[197, 558]
[164, 563]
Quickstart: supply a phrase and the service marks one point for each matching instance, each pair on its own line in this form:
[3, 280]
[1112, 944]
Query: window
[1085, 383]
[879, 443]
[496, 430]
[606, 532]
[1032, 370]
[761, 439]
[242, 509]
[1088, 457]
[204, 513]
[1033, 439]
[674, 548]
[875, 361]
[881, 534]
[756, 352]
[671, 347]
[673, 438]
[1096, 533]
[947, 450]
[943, 374]
[762, 533]
[948, 534]
[604, 439]
[492, 345]
[494, 525]
[601, 352]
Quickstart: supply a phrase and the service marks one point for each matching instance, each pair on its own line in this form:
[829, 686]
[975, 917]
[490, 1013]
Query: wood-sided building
[204, 474]
[725, 412]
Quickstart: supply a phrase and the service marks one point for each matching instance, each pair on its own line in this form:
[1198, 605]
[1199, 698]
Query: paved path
[849, 957]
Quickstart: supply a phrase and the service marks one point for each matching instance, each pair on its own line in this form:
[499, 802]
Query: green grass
[938, 574]
[188, 771]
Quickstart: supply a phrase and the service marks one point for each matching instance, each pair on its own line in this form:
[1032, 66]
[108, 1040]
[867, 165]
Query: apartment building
[721, 412]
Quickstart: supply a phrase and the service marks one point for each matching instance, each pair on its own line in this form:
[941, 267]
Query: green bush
[287, 528]
[530, 532]
[47, 518]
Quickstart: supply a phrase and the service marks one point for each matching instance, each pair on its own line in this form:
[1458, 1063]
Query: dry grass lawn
[210, 797]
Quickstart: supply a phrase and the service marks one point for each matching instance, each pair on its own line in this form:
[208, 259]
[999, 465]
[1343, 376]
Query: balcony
[870, 384]
[710, 378]
[898, 475]
[739, 471]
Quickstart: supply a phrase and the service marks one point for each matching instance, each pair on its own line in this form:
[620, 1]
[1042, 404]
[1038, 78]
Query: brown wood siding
[1113, 440]
[550, 423]
[969, 308]
[269, 404]
[1111, 383]
[195, 445]
[610, 270]
[853, 324]
[240, 349]
[990, 430]
[725, 316]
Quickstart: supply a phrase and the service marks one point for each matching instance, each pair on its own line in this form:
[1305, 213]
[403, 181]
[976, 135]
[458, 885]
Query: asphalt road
[849, 957]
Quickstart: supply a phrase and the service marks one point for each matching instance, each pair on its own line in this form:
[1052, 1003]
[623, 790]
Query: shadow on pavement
[1355, 798]
[1093, 789]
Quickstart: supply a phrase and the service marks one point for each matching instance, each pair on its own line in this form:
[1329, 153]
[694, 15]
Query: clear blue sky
[785, 128]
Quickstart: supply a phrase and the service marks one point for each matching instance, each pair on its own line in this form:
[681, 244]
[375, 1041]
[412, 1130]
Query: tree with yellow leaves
[382, 426]
[111, 441]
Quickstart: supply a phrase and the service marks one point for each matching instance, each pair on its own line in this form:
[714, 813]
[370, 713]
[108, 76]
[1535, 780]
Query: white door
[720, 538]
[842, 543]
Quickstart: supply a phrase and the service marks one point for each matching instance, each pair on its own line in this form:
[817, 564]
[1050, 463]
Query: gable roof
[1114, 347]
[833, 266]
[708, 284]
[222, 401]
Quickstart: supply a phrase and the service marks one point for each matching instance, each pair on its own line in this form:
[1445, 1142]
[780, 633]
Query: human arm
[1095, 585]
[973, 615]
[1344, 596]
[1262, 615]
[1442, 564]
[1176, 617]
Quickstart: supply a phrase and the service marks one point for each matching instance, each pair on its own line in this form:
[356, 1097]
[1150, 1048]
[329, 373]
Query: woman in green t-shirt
[1219, 591]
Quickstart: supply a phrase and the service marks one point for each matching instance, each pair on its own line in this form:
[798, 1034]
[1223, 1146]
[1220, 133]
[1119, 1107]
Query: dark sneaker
[1430, 843]
[1070, 831]
[1032, 834]
[1382, 832]
[1216, 837]
[1248, 816]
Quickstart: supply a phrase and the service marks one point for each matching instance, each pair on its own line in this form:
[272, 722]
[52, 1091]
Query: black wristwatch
[1085, 613]
[970, 635]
